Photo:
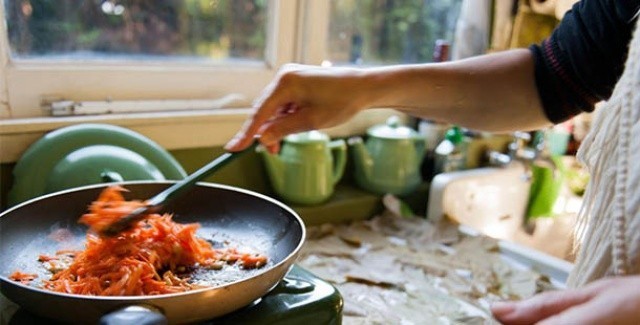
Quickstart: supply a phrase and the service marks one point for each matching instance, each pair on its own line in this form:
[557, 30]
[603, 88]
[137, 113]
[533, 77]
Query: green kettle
[307, 168]
[389, 161]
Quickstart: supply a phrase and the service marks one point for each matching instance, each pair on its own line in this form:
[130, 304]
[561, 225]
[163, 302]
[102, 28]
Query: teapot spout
[275, 168]
[361, 157]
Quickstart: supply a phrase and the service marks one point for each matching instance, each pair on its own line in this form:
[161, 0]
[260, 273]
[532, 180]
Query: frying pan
[242, 217]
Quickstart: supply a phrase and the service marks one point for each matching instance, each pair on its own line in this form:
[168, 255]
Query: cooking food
[24, 278]
[157, 256]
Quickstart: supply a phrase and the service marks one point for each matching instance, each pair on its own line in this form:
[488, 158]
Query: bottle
[441, 51]
[450, 154]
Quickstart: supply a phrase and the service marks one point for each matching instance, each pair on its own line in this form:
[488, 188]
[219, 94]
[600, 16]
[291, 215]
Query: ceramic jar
[390, 158]
[307, 168]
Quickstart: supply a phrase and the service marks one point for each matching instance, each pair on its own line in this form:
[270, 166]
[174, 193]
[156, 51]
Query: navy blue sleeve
[580, 63]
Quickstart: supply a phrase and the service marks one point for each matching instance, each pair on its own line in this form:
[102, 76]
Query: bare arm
[493, 92]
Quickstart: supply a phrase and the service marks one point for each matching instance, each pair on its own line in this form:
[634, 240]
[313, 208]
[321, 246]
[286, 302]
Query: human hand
[302, 98]
[606, 301]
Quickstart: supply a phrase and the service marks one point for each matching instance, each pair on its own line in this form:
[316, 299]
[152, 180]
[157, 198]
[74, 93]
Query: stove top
[300, 298]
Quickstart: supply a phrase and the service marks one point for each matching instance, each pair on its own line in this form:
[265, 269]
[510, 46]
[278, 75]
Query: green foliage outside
[361, 31]
[209, 28]
[390, 31]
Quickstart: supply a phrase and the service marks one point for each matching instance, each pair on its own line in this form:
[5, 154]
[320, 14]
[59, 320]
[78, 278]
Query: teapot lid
[313, 136]
[392, 129]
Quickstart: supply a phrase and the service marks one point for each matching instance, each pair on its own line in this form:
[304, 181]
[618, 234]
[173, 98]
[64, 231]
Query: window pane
[389, 31]
[209, 30]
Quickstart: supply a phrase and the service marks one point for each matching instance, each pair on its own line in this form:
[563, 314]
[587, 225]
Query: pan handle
[139, 315]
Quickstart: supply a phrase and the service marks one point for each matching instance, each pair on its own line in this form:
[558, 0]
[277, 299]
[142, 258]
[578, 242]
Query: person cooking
[590, 57]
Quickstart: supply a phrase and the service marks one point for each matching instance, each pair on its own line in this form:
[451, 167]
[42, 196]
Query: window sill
[171, 130]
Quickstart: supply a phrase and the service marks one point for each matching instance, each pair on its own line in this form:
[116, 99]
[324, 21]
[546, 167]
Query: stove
[300, 298]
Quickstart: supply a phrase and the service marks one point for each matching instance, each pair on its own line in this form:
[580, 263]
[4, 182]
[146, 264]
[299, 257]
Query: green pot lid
[392, 129]
[86, 154]
[313, 136]
[100, 164]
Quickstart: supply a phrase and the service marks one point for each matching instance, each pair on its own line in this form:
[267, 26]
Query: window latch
[72, 108]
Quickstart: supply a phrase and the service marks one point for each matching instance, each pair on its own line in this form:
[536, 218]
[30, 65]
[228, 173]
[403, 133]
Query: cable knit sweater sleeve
[580, 63]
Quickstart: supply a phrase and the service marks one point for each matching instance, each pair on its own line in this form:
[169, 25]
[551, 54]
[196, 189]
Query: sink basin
[490, 200]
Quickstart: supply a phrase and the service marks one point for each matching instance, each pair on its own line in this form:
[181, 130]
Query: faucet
[518, 150]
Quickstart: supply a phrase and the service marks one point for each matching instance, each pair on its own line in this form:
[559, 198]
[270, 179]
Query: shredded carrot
[24, 278]
[108, 208]
[144, 260]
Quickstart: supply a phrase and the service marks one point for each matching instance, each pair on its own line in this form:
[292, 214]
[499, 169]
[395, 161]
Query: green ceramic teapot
[389, 161]
[307, 167]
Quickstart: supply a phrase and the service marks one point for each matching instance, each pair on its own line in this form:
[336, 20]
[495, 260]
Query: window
[136, 50]
[375, 32]
[388, 32]
[149, 50]
[114, 30]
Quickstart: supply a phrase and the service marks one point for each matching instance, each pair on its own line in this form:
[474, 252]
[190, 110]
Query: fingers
[266, 108]
[539, 307]
[618, 308]
[298, 121]
[277, 110]
[615, 301]
[583, 314]
[279, 95]
[274, 148]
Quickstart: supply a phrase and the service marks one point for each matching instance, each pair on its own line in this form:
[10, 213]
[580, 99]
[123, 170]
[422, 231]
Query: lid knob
[393, 121]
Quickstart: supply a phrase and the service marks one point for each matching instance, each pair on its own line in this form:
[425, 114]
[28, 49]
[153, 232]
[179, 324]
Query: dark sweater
[580, 63]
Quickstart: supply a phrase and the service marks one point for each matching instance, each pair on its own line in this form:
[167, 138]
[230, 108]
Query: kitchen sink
[491, 200]
[494, 201]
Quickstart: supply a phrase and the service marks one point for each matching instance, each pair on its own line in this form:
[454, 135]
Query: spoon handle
[157, 202]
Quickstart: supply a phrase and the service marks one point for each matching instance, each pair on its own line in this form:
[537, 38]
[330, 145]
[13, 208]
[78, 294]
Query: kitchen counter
[398, 270]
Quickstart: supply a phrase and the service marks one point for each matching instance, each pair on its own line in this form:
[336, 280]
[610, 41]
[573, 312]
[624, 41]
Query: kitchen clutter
[528, 193]
[504, 186]
[450, 154]
[390, 158]
[310, 164]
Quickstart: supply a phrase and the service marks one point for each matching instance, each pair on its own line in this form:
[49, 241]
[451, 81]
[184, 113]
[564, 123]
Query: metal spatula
[156, 203]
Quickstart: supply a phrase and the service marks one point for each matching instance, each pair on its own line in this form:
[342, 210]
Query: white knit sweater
[609, 222]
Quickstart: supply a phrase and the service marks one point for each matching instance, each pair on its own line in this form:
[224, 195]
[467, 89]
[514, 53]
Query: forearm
[495, 92]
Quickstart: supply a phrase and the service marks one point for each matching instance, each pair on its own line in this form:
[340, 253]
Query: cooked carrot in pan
[22, 277]
[149, 259]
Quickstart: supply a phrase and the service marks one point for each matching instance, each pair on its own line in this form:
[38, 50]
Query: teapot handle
[339, 151]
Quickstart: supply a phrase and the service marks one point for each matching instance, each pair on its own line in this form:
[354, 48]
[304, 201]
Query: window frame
[29, 82]
[293, 33]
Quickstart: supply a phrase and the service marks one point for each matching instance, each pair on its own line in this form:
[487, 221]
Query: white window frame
[297, 32]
